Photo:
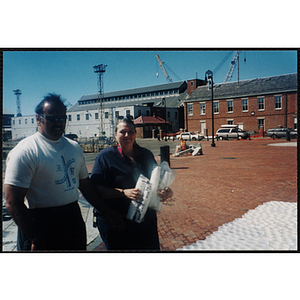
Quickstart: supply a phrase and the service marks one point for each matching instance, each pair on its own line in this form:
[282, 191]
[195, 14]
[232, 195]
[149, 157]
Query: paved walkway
[226, 183]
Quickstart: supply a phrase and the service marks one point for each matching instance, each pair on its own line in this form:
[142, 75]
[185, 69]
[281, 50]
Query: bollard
[288, 137]
[165, 154]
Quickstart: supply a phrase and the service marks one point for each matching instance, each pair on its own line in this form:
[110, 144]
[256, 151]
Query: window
[261, 103]
[190, 109]
[169, 115]
[176, 115]
[127, 112]
[13, 122]
[70, 118]
[25, 121]
[19, 121]
[87, 117]
[295, 123]
[229, 122]
[32, 120]
[230, 106]
[202, 108]
[244, 104]
[96, 116]
[78, 117]
[106, 115]
[216, 107]
[278, 102]
[117, 113]
[139, 112]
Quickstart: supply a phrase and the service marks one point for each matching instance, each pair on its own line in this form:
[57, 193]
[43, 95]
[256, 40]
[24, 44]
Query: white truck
[190, 136]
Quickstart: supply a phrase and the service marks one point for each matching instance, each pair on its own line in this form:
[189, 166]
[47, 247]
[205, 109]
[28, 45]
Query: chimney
[192, 84]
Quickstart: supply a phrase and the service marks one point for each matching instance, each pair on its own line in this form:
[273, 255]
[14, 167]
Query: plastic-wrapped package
[155, 180]
[136, 209]
[161, 177]
[165, 180]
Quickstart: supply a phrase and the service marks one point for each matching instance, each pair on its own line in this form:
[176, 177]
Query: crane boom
[163, 68]
[232, 66]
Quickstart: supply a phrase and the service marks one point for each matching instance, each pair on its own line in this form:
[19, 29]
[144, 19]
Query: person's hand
[165, 194]
[133, 194]
[38, 244]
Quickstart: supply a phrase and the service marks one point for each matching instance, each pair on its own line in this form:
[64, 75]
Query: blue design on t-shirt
[66, 177]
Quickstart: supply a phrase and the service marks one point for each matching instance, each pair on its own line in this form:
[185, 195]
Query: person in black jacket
[115, 173]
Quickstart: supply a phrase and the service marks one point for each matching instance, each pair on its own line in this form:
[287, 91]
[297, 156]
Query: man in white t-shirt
[43, 175]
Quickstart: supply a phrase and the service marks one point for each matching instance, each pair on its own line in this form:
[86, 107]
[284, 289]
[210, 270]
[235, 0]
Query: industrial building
[6, 125]
[185, 105]
[93, 116]
[251, 104]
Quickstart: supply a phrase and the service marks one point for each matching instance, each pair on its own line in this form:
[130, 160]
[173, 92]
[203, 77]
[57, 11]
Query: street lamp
[165, 103]
[209, 79]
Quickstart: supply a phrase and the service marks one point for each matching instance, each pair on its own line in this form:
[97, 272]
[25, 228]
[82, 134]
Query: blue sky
[71, 73]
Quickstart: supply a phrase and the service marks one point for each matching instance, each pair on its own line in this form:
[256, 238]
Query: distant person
[115, 172]
[182, 145]
[43, 175]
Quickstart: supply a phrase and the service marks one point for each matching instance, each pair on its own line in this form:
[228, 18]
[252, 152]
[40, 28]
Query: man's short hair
[50, 98]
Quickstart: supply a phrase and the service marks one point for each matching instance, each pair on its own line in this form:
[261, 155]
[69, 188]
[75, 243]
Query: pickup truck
[190, 136]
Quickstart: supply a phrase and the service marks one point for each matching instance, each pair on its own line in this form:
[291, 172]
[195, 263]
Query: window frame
[275, 97]
[202, 108]
[190, 109]
[244, 109]
[228, 107]
[259, 105]
[216, 107]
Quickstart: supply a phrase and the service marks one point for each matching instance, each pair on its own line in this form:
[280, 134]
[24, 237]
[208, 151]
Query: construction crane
[18, 93]
[161, 63]
[234, 62]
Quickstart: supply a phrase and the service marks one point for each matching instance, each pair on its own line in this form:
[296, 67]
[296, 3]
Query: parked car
[72, 136]
[231, 132]
[281, 132]
[190, 136]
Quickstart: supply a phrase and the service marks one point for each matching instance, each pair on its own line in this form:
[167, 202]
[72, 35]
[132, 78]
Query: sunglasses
[52, 119]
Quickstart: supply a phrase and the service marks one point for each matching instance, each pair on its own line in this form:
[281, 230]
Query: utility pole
[209, 79]
[100, 70]
[18, 93]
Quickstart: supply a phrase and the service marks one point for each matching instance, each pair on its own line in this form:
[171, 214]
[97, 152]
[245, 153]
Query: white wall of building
[23, 126]
[86, 123]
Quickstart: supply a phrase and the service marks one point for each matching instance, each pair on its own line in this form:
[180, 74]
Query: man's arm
[14, 204]
[91, 194]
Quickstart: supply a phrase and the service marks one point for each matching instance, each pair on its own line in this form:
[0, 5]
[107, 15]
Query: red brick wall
[273, 118]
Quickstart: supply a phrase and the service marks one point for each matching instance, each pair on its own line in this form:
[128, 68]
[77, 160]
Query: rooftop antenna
[18, 93]
[100, 70]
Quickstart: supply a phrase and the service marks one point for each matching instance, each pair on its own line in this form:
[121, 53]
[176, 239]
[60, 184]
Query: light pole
[209, 79]
[165, 102]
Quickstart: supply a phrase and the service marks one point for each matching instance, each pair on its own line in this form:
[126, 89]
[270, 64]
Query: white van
[230, 131]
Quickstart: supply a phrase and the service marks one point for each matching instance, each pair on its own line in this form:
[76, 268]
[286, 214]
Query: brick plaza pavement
[222, 185]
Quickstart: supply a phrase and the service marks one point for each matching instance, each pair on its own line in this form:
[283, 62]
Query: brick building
[251, 104]
[149, 127]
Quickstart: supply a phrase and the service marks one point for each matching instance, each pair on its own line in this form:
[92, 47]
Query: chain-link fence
[95, 144]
